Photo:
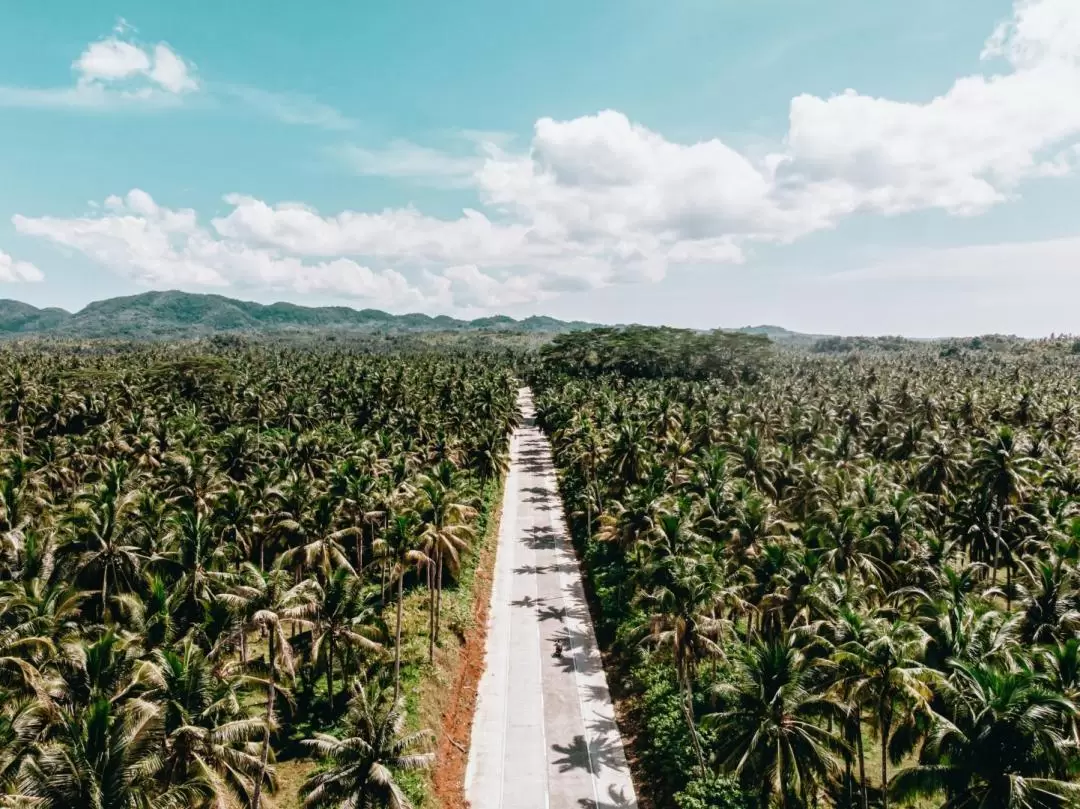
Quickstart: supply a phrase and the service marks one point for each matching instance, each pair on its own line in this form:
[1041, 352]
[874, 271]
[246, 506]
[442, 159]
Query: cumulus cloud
[12, 271]
[163, 247]
[599, 199]
[114, 71]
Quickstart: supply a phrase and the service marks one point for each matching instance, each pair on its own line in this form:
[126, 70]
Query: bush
[713, 792]
[664, 746]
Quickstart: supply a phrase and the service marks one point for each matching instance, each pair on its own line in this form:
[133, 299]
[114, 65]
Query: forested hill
[164, 315]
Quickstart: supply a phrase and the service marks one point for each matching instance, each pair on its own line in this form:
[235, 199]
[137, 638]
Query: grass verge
[442, 696]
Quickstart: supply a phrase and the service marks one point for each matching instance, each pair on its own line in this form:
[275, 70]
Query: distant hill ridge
[163, 315]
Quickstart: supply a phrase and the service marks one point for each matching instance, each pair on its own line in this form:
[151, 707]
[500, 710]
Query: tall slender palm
[401, 546]
[346, 622]
[883, 671]
[446, 534]
[1004, 474]
[681, 620]
[269, 599]
[99, 549]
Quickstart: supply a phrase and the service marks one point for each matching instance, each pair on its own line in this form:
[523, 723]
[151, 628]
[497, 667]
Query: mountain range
[179, 315]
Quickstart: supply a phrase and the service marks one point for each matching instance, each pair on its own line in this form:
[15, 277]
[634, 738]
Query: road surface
[544, 734]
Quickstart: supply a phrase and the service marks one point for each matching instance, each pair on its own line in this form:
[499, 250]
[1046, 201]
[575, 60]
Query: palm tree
[446, 534]
[269, 599]
[363, 764]
[999, 745]
[681, 620]
[882, 669]
[345, 622]
[1004, 474]
[210, 736]
[98, 546]
[320, 547]
[107, 757]
[769, 729]
[400, 547]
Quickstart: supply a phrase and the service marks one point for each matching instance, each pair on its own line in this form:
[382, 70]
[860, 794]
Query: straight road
[544, 735]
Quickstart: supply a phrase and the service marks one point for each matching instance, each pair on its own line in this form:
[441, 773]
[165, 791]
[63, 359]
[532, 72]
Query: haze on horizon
[843, 168]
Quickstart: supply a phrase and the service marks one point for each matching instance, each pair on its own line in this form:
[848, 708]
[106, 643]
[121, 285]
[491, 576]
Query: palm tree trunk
[105, 594]
[330, 672]
[431, 611]
[438, 599]
[885, 722]
[397, 639]
[997, 546]
[862, 758]
[256, 797]
[688, 709]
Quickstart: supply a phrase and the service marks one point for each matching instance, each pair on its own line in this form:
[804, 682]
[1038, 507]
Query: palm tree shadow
[616, 799]
[591, 757]
[528, 602]
[575, 756]
[531, 570]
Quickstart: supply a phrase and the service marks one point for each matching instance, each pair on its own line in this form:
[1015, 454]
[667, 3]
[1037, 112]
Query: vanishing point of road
[544, 735]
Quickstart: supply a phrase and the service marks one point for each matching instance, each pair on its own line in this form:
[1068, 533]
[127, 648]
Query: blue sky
[842, 167]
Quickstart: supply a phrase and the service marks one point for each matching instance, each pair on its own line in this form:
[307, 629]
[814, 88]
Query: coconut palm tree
[882, 671]
[104, 756]
[400, 546]
[999, 745]
[269, 599]
[363, 764]
[681, 620]
[346, 622]
[770, 730]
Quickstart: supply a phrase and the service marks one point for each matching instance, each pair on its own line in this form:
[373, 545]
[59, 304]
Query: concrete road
[544, 735]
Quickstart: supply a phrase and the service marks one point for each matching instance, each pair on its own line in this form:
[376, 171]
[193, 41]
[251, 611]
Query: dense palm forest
[834, 582]
[205, 555]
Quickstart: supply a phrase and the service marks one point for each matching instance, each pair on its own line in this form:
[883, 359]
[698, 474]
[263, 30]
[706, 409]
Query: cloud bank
[600, 200]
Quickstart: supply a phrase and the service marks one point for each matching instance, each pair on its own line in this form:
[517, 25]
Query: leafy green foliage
[713, 792]
[650, 353]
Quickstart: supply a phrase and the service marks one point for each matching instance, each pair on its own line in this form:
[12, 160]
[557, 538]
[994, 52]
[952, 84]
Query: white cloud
[12, 271]
[114, 72]
[170, 72]
[162, 247]
[599, 200]
[110, 60]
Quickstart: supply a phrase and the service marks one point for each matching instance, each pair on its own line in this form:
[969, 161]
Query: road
[544, 734]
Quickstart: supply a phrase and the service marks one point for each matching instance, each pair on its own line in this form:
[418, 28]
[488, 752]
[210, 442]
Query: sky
[830, 166]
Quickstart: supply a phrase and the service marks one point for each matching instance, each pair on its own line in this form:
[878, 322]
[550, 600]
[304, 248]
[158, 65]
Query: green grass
[424, 684]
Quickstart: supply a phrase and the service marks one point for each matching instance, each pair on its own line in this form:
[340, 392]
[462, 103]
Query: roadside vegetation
[226, 565]
[830, 581]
